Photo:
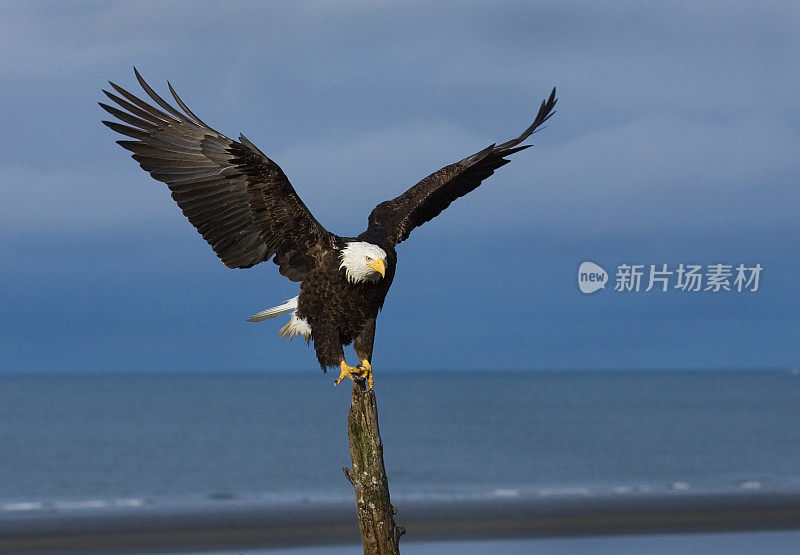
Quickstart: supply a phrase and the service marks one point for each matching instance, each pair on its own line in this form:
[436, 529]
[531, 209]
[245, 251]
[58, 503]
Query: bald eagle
[241, 202]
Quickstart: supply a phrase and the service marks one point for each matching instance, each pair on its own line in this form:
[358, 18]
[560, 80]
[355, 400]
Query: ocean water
[128, 436]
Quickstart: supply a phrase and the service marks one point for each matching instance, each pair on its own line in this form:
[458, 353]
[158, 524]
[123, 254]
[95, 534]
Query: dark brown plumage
[396, 218]
[245, 208]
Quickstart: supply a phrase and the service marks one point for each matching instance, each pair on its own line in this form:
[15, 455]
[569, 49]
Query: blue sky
[677, 141]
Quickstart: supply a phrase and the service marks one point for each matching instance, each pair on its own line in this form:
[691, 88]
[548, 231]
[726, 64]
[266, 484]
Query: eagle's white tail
[289, 305]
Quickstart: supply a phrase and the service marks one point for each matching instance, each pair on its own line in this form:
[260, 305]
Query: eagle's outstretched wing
[394, 219]
[238, 199]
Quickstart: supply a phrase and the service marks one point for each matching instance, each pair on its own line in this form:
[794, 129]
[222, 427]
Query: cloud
[661, 169]
[69, 201]
[671, 117]
[681, 108]
[61, 39]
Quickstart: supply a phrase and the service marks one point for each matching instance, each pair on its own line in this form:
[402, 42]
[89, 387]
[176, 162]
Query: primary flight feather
[242, 203]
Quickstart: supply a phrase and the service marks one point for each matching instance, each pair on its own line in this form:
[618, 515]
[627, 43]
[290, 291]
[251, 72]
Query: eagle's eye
[369, 259]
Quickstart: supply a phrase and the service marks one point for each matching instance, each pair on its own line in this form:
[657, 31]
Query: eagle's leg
[363, 347]
[353, 372]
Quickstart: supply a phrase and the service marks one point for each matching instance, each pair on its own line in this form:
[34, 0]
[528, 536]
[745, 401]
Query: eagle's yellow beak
[379, 266]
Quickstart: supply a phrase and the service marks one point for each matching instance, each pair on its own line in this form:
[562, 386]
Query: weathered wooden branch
[379, 533]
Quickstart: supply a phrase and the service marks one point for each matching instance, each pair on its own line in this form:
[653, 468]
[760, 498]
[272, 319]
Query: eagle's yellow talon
[367, 367]
[361, 372]
[348, 371]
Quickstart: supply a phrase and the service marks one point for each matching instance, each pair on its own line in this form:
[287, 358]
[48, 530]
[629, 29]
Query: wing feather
[238, 199]
[393, 220]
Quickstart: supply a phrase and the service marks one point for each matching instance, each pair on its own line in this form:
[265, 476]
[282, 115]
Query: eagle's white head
[363, 262]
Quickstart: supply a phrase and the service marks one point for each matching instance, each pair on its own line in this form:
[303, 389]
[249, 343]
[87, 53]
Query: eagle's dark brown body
[244, 206]
[340, 312]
